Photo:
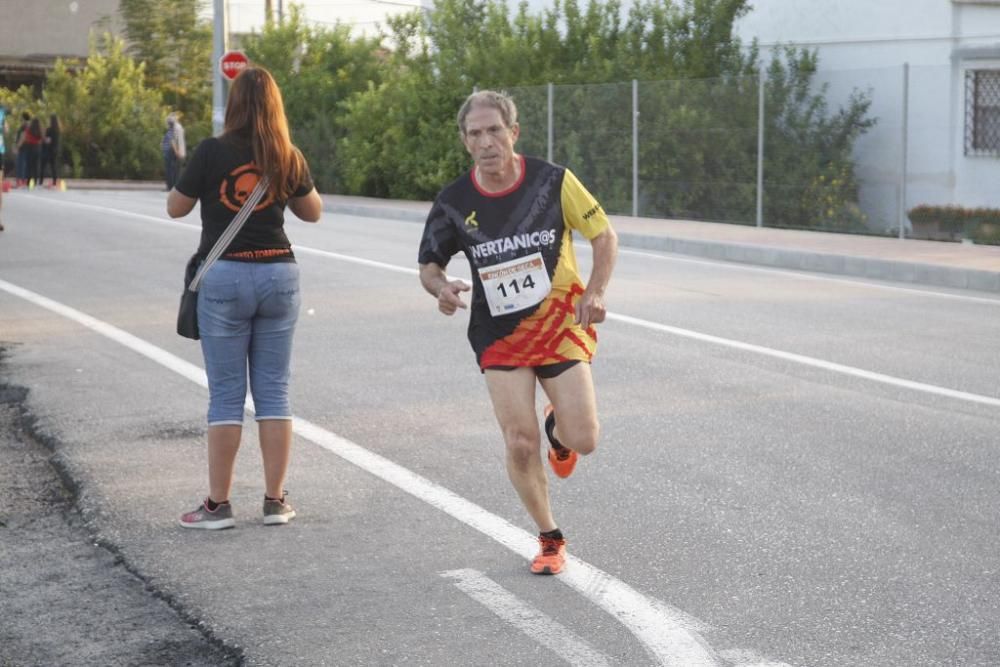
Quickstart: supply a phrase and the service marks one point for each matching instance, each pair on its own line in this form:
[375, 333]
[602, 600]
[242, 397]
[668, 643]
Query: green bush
[111, 122]
[317, 68]
[981, 225]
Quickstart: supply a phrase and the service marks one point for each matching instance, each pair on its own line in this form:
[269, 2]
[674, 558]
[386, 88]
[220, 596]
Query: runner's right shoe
[561, 459]
[551, 557]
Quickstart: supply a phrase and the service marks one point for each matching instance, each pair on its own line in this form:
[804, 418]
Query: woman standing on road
[248, 302]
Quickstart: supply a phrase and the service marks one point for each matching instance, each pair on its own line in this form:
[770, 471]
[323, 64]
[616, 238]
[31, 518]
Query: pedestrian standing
[31, 143]
[179, 144]
[532, 319]
[170, 166]
[248, 301]
[20, 156]
[50, 150]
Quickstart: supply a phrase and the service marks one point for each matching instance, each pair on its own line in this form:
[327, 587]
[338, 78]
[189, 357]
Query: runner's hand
[590, 309]
[448, 298]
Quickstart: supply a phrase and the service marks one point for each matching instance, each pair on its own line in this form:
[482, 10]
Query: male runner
[531, 316]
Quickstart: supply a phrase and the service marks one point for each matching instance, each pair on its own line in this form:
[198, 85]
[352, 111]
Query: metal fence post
[760, 146]
[635, 148]
[904, 150]
[550, 130]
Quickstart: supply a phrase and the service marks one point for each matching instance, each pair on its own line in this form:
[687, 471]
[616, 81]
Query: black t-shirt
[520, 241]
[221, 175]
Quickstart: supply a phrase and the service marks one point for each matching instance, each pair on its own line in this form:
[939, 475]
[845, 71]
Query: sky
[363, 15]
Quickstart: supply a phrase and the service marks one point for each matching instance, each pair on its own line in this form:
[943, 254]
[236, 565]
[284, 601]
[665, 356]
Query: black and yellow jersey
[519, 244]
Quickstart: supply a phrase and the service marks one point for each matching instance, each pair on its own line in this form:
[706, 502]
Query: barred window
[982, 112]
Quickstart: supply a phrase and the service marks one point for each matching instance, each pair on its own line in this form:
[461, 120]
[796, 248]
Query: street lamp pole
[220, 44]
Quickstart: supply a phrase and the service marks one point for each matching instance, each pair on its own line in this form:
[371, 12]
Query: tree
[176, 47]
[809, 167]
[463, 44]
[111, 120]
[317, 68]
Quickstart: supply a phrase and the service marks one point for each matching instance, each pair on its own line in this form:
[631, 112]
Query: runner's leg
[572, 396]
[513, 395]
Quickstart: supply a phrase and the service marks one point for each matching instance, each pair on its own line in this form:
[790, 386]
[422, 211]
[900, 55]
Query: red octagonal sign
[232, 63]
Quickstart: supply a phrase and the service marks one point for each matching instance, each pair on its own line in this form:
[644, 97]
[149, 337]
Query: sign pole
[220, 39]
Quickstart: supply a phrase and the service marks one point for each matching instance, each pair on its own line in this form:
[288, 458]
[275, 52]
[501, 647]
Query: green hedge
[981, 225]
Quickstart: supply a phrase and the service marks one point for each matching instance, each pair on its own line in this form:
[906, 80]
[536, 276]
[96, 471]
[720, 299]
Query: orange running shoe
[551, 558]
[562, 459]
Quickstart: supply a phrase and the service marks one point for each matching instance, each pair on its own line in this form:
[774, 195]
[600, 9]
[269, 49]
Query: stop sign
[232, 63]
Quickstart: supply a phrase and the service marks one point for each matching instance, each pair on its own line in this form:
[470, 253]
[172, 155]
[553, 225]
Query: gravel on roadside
[65, 600]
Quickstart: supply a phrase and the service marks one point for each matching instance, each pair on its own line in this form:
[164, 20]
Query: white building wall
[863, 45]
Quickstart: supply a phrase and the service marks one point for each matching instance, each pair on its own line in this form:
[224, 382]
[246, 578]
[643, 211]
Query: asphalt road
[795, 470]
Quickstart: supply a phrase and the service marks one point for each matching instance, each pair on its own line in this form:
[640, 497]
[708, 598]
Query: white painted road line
[810, 361]
[695, 335]
[746, 658]
[527, 619]
[666, 633]
[665, 256]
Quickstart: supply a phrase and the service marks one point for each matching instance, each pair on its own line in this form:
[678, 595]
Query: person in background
[50, 151]
[179, 143]
[170, 167]
[31, 144]
[248, 303]
[21, 157]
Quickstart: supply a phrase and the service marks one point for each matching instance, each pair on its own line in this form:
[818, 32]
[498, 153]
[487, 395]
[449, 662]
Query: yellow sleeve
[580, 210]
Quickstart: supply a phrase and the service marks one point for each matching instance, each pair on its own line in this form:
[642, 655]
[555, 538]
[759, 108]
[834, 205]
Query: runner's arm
[590, 308]
[436, 282]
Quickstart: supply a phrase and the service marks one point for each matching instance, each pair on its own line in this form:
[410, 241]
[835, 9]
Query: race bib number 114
[515, 285]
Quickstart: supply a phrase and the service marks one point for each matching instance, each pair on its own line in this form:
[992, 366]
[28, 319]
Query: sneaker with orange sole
[551, 558]
[562, 459]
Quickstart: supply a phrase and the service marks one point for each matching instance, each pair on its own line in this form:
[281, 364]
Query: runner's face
[489, 141]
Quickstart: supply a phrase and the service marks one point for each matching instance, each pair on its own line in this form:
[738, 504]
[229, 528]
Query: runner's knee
[581, 438]
[522, 445]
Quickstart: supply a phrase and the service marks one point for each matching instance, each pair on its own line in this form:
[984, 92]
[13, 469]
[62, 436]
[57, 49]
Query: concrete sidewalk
[938, 263]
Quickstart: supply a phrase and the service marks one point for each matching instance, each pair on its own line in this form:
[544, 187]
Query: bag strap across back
[231, 231]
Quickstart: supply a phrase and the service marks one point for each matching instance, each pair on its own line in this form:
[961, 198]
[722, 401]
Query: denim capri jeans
[246, 317]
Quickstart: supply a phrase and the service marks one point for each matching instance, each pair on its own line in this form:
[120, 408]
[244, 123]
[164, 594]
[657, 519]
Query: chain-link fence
[849, 151]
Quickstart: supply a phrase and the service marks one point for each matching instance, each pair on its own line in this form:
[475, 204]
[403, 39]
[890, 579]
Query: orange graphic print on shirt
[237, 186]
[550, 334]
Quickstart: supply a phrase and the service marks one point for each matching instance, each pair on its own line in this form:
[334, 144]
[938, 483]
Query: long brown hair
[255, 111]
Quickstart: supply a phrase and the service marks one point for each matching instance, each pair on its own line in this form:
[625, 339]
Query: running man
[531, 316]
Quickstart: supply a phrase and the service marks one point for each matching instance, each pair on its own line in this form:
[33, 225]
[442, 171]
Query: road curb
[802, 260]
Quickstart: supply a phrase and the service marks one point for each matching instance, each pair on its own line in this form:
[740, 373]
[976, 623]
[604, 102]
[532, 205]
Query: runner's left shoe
[551, 557]
[561, 459]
